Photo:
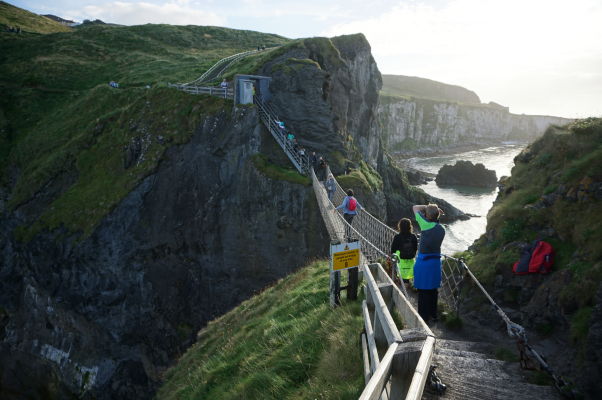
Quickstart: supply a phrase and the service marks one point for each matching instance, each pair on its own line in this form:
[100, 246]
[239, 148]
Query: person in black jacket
[404, 247]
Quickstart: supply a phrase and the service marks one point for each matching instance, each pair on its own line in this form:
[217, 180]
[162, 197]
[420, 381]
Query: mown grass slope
[285, 343]
[61, 122]
[11, 16]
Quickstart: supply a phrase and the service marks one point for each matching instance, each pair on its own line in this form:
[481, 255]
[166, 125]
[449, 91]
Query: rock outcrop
[423, 125]
[554, 194]
[465, 173]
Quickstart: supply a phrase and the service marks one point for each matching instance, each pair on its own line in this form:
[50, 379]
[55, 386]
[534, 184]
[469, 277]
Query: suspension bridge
[399, 361]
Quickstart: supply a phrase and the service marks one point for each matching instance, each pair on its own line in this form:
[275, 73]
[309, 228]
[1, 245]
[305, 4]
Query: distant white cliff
[411, 123]
[421, 114]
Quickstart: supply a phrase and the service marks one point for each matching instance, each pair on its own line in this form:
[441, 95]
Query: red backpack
[352, 204]
[536, 259]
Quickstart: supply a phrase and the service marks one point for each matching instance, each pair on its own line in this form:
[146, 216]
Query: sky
[534, 56]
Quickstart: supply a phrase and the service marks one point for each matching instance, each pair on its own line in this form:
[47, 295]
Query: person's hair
[349, 192]
[405, 226]
[432, 212]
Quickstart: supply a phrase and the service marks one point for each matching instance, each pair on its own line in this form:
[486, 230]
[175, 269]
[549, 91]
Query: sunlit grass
[283, 343]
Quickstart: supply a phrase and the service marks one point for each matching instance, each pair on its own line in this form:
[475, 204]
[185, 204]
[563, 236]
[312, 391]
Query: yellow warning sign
[349, 257]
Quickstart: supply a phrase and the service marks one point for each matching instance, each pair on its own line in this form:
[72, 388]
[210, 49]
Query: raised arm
[419, 208]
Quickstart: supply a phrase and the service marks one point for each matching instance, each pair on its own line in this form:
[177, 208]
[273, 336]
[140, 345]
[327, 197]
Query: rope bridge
[375, 238]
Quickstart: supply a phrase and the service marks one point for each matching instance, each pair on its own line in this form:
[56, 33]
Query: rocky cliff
[327, 92]
[412, 123]
[100, 311]
[104, 314]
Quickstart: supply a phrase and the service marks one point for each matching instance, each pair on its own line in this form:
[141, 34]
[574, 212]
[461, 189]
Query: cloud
[178, 12]
[489, 46]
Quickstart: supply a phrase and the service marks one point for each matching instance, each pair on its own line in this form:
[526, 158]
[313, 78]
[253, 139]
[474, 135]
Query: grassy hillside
[130, 55]
[554, 194]
[27, 21]
[414, 87]
[285, 343]
[63, 131]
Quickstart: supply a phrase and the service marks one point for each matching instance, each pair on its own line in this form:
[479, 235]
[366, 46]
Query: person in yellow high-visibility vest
[404, 247]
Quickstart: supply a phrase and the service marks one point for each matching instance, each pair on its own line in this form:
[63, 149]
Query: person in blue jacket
[427, 268]
[350, 207]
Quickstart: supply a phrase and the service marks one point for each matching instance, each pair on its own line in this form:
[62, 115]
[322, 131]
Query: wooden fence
[396, 361]
[213, 91]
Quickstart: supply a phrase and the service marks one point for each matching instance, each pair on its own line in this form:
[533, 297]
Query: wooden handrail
[381, 376]
[410, 350]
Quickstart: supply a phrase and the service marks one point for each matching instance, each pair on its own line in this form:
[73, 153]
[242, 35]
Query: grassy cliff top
[64, 131]
[285, 343]
[28, 21]
[411, 86]
[130, 55]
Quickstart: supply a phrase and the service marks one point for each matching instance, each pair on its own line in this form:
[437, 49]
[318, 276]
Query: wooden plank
[372, 350]
[380, 377]
[422, 370]
[380, 308]
[381, 274]
[366, 357]
[404, 365]
[409, 314]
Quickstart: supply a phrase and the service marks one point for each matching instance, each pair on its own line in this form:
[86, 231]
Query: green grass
[130, 55]
[363, 178]
[87, 138]
[273, 171]
[64, 131]
[27, 21]
[285, 343]
[563, 160]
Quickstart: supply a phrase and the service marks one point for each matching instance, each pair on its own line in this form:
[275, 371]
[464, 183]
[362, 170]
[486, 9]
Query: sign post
[344, 255]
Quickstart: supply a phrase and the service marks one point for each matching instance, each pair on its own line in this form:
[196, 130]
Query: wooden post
[352, 284]
[335, 284]
[405, 360]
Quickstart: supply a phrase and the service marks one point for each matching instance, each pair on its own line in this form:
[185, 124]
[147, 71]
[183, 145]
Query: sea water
[461, 234]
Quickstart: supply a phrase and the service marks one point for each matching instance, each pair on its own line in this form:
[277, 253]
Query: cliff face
[102, 316]
[410, 124]
[327, 90]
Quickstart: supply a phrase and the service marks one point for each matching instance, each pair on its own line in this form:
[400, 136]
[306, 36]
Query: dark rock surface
[465, 173]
